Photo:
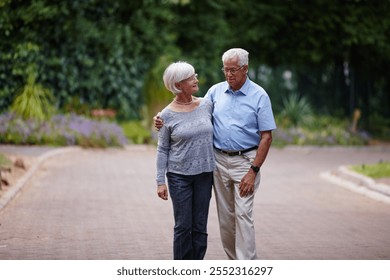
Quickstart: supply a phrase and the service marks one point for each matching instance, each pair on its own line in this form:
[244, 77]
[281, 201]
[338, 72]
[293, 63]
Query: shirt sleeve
[266, 120]
[210, 94]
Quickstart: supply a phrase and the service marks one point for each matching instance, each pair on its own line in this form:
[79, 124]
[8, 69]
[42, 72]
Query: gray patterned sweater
[185, 142]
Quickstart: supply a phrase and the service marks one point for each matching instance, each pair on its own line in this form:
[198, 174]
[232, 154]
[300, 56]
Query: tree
[94, 50]
[102, 52]
[338, 51]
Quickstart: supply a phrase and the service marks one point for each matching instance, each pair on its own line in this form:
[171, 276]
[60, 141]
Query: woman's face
[234, 73]
[189, 85]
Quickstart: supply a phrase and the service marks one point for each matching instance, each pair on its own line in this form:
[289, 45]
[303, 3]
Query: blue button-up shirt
[239, 116]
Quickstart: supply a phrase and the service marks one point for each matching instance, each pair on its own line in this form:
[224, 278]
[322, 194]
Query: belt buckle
[235, 153]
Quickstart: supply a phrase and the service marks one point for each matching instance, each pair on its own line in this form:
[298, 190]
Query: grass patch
[376, 171]
[4, 161]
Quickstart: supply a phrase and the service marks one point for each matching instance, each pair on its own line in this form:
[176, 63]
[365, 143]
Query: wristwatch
[255, 168]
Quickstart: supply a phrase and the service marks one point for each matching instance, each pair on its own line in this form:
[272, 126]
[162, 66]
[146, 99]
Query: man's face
[234, 73]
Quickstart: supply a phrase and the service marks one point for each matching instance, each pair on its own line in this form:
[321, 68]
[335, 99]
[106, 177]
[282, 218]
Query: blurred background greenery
[324, 63]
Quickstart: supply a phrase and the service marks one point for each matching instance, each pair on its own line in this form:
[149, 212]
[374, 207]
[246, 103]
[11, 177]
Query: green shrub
[33, 101]
[136, 133]
[296, 110]
[317, 130]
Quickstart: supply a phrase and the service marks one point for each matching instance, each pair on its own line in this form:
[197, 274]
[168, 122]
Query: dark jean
[190, 196]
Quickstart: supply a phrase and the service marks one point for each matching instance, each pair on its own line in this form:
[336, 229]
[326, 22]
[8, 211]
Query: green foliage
[156, 96]
[33, 101]
[378, 170]
[105, 53]
[380, 126]
[202, 35]
[339, 53]
[17, 63]
[77, 106]
[318, 130]
[4, 161]
[136, 132]
[296, 110]
[94, 50]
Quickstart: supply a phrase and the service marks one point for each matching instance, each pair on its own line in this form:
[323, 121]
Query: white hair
[176, 72]
[241, 54]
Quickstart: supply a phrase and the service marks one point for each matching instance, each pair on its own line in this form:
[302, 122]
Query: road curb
[11, 193]
[358, 183]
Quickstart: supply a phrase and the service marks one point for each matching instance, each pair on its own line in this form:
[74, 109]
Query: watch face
[255, 168]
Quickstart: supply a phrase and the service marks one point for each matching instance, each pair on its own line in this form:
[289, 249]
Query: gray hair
[176, 72]
[243, 56]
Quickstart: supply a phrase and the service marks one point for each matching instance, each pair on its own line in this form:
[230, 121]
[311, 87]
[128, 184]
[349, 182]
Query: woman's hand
[162, 191]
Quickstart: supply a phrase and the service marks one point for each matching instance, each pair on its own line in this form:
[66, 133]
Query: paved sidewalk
[101, 204]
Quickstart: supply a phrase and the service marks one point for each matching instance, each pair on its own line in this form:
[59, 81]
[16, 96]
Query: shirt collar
[243, 90]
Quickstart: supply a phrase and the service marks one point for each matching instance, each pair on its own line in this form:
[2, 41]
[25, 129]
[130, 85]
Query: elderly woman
[185, 157]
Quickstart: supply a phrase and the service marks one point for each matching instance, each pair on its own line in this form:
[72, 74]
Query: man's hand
[158, 122]
[247, 184]
[162, 192]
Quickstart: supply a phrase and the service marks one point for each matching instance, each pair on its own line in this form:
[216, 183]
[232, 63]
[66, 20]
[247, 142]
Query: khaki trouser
[235, 213]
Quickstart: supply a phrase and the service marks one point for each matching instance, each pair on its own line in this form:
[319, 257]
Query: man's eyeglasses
[190, 79]
[231, 70]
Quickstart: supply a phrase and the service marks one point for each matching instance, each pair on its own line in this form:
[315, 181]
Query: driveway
[102, 204]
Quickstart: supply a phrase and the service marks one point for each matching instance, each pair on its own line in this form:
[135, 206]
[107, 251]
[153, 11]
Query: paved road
[101, 204]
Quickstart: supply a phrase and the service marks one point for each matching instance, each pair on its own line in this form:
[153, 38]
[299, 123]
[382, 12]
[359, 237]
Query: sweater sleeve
[163, 147]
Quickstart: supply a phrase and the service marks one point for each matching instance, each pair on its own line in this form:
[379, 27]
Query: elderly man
[243, 123]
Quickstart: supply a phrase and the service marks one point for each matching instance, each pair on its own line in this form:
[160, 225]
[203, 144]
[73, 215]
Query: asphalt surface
[102, 204]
